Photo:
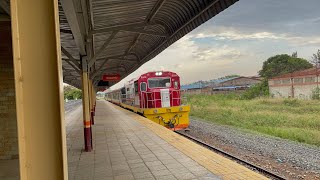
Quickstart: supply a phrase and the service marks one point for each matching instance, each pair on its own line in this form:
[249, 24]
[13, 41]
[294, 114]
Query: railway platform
[129, 146]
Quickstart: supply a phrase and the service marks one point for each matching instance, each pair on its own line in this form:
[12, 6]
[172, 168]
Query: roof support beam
[128, 60]
[130, 26]
[5, 5]
[66, 31]
[73, 66]
[154, 10]
[71, 15]
[120, 58]
[65, 52]
[97, 71]
[149, 18]
[104, 46]
[140, 31]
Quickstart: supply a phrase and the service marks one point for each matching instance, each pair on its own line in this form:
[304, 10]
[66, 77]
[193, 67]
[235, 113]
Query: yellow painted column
[86, 107]
[39, 90]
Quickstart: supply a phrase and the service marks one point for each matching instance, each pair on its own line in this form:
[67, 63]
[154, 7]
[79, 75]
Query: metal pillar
[94, 100]
[86, 107]
[39, 90]
[91, 101]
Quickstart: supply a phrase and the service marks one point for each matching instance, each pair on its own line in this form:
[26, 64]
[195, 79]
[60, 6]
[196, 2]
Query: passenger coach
[156, 95]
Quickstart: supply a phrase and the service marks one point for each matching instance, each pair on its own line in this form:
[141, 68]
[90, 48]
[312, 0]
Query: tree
[294, 54]
[71, 92]
[316, 59]
[282, 64]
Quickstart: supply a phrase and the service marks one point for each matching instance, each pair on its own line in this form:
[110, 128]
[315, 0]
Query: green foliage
[294, 54]
[316, 58]
[230, 76]
[316, 94]
[291, 119]
[283, 64]
[258, 90]
[71, 93]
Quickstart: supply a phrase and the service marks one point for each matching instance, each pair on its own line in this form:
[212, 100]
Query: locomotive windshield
[159, 82]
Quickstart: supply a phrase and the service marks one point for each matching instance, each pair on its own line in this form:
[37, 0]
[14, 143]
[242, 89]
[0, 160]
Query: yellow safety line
[215, 163]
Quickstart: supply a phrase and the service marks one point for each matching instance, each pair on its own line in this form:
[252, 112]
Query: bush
[71, 93]
[258, 90]
[316, 94]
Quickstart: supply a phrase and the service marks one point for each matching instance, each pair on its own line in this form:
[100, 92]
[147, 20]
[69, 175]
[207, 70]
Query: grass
[291, 119]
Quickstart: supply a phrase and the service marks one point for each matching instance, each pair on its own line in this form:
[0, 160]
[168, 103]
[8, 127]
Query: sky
[240, 39]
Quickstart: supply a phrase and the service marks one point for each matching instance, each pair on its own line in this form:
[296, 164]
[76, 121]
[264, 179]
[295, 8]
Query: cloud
[222, 33]
[192, 61]
[240, 38]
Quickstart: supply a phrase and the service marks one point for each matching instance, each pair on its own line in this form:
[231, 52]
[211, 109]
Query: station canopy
[118, 36]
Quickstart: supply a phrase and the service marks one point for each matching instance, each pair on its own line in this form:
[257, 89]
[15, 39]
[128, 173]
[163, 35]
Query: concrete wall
[301, 90]
[208, 91]
[8, 120]
[304, 91]
[280, 91]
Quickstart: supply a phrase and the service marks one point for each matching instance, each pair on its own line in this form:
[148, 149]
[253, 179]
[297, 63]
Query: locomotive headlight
[181, 109]
[158, 73]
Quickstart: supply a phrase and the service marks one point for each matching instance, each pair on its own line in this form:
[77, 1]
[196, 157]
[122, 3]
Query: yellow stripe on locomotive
[176, 117]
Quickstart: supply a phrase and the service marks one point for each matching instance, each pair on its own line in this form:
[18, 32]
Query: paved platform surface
[129, 146]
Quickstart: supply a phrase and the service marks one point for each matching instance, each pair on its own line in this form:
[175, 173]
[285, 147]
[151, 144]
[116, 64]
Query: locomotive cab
[160, 98]
[159, 90]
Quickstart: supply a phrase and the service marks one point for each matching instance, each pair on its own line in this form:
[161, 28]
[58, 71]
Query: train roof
[163, 73]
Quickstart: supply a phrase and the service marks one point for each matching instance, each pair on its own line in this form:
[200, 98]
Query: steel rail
[246, 163]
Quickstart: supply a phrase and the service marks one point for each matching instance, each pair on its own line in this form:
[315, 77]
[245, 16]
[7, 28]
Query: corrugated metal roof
[306, 72]
[221, 80]
[230, 87]
[124, 34]
[192, 86]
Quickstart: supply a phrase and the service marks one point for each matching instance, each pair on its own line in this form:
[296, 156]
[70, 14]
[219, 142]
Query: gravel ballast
[71, 105]
[245, 144]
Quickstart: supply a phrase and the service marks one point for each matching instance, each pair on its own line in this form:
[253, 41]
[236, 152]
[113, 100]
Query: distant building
[299, 84]
[222, 85]
[236, 83]
[194, 88]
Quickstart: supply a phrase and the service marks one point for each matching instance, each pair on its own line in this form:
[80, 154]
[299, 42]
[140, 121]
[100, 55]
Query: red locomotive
[157, 96]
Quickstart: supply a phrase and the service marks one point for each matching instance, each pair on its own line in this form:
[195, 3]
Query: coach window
[143, 86]
[136, 86]
[159, 82]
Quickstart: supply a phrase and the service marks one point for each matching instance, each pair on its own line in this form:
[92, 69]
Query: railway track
[241, 161]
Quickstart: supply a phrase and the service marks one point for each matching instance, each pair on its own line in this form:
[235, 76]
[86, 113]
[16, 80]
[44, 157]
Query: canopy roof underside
[118, 36]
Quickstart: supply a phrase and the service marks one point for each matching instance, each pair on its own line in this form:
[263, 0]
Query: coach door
[165, 97]
[136, 94]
